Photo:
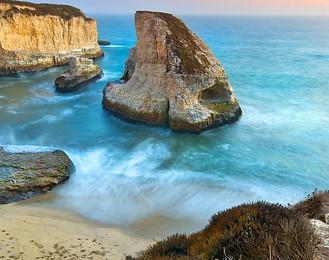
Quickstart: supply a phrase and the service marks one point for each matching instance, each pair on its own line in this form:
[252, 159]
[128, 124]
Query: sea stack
[82, 70]
[39, 36]
[176, 80]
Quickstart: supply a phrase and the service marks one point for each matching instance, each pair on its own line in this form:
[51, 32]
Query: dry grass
[314, 206]
[251, 231]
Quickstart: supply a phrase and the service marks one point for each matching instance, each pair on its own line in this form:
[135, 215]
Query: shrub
[173, 247]
[251, 231]
[314, 206]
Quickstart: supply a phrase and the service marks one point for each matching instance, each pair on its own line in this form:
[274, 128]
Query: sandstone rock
[326, 217]
[322, 231]
[24, 174]
[130, 65]
[177, 81]
[39, 36]
[81, 71]
[104, 42]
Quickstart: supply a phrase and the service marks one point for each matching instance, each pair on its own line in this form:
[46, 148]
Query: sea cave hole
[218, 93]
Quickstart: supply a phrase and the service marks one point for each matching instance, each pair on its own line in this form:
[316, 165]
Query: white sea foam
[12, 111]
[115, 46]
[26, 148]
[50, 118]
[120, 188]
[225, 147]
[107, 75]
[46, 95]
[253, 117]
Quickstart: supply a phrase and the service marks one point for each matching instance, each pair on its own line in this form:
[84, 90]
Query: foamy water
[126, 173]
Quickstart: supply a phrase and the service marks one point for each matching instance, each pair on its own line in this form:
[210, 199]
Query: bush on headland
[315, 206]
[257, 231]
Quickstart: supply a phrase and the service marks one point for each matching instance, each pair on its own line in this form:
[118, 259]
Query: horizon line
[218, 14]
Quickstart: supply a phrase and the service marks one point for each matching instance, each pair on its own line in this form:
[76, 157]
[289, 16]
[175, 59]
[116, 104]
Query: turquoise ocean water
[128, 173]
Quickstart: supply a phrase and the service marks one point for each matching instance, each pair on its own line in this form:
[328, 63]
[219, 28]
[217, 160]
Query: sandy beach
[28, 231]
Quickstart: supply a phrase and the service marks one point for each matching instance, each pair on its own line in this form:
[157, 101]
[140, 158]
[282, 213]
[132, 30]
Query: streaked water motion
[127, 173]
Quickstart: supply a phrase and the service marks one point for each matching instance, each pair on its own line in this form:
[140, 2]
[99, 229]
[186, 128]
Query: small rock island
[172, 79]
[82, 70]
[39, 36]
[104, 42]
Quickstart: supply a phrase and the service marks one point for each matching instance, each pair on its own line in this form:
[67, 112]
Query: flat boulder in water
[81, 71]
[172, 79]
[24, 174]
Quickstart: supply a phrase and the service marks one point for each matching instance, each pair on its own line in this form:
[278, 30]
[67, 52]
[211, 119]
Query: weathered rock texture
[130, 65]
[38, 36]
[24, 174]
[321, 229]
[176, 81]
[316, 209]
[81, 71]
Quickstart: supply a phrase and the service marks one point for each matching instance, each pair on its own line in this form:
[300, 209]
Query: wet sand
[29, 231]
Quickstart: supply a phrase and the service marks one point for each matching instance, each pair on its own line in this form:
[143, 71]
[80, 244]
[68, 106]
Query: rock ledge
[81, 71]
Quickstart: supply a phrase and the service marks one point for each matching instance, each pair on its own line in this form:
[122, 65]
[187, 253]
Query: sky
[227, 7]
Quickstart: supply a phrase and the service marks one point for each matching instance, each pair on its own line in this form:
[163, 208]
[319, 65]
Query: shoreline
[32, 231]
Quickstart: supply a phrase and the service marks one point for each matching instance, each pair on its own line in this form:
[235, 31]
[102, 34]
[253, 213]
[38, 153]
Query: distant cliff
[38, 36]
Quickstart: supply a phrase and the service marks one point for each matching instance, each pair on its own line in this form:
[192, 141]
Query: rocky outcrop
[81, 71]
[24, 174]
[321, 230]
[177, 81]
[130, 65]
[104, 42]
[38, 36]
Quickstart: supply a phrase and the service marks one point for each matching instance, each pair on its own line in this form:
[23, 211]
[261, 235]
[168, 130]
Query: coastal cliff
[38, 36]
[173, 79]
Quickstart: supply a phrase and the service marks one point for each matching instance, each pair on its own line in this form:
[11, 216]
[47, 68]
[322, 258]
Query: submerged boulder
[172, 78]
[104, 42]
[81, 71]
[24, 174]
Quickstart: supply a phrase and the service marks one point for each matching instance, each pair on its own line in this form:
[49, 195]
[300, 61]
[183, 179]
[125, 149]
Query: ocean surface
[127, 174]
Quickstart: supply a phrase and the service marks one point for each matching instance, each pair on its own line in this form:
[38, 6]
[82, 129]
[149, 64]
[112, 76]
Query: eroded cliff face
[176, 79]
[37, 36]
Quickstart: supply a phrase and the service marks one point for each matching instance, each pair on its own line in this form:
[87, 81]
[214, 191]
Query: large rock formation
[81, 71]
[24, 174]
[176, 81]
[38, 36]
